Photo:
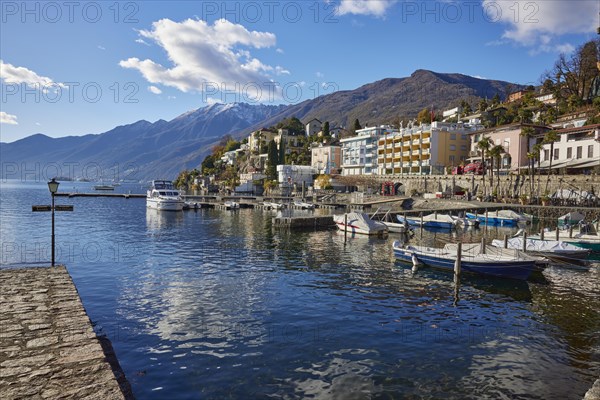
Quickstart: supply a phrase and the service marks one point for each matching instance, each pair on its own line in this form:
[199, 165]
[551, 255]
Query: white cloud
[538, 24]
[319, 74]
[38, 124]
[154, 89]
[281, 71]
[8, 118]
[202, 54]
[141, 41]
[377, 8]
[21, 75]
[280, 51]
[101, 47]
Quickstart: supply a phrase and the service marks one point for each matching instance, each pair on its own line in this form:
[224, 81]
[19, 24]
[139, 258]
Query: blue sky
[73, 68]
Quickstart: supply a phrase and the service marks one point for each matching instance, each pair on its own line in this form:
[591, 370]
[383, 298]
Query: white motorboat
[554, 250]
[231, 205]
[303, 205]
[360, 223]
[164, 197]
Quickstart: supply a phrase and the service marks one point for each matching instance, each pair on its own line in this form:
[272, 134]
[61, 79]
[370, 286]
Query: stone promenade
[48, 349]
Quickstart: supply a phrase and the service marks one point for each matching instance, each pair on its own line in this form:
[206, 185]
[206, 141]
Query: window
[463, 147]
[579, 151]
[453, 136]
[451, 159]
[591, 151]
[556, 154]
[569, 152]
[452, 147]
[546, 155]
[464, 137]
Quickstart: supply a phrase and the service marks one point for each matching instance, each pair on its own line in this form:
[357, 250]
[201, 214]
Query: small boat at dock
[103, 187]
[504, 263]
[497, 218]
[553, 250]
[303, 205]
[435, 221]
[583, 235]
[359, 223]
[231, 205]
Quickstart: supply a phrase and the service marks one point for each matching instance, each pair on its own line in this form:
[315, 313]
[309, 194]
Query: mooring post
[542, 232]
[571, 231]
[457, 263]
[524, 240]
[345, 227]
[557, 233]
[483, 245]
[506, 241]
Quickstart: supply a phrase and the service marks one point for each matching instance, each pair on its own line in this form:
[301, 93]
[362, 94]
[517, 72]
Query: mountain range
[160, 150]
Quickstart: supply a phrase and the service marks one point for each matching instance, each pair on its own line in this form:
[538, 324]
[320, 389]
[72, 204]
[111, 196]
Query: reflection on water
[213, 304]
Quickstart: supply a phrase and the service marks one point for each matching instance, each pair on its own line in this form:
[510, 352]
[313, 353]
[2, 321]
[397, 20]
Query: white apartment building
[425, 149]
[359, 153]
[289, 175]
[577, 149]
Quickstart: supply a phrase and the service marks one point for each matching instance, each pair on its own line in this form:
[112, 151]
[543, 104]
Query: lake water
[217, 304]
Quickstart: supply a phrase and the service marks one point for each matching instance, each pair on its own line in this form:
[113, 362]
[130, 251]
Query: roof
[507, 127]
[314, 119]
[581, 128]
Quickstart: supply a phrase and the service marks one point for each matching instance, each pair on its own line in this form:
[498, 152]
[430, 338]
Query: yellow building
[425, 149]
[259, 139]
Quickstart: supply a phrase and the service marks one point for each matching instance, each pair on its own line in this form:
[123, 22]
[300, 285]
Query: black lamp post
[53, 187]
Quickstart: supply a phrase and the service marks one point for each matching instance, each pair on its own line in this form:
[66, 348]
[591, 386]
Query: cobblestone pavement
[48, 348]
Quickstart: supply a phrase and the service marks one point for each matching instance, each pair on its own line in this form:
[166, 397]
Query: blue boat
[499, 263]
[494, 219]
[440, 221]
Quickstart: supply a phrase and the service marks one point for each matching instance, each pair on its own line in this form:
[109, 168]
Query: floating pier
[122, 195]
[48, 348]
[316, 222]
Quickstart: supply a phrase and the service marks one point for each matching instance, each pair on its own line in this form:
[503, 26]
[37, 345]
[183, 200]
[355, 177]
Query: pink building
[514, 144]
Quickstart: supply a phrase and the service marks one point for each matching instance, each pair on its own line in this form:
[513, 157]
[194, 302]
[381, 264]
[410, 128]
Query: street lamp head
[53, 185]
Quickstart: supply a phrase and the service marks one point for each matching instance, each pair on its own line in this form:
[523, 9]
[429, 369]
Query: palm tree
[527, 132]
[496, 155]
[537, 149]
[550, 137]
[484, 147]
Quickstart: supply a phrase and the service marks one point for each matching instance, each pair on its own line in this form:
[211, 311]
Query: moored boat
[231, 205]
[104, 187]
[499, 262]
[304, 205]
[569, 219]
[359, 223]
[554, 250]
[583, 235]
[164, 197]
[436, 221]
[493, 218]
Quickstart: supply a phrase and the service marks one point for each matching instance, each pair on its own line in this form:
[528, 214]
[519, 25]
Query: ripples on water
[216, 304]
